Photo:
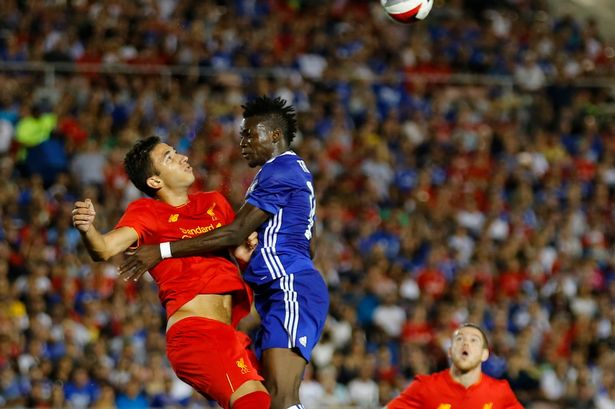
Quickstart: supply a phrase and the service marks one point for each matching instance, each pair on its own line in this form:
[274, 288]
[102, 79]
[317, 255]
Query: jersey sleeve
[225, 206]
[139, 217]
[273, 188]
[508, 397]
[410, 398]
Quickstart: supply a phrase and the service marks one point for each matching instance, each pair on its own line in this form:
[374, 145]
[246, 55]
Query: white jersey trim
[268, 251]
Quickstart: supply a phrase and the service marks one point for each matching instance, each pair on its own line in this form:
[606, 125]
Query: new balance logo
[488, 405]
[303, 341]
[173, 218]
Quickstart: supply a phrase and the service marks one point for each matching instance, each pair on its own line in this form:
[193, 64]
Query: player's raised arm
[248, 219]
[100, 246]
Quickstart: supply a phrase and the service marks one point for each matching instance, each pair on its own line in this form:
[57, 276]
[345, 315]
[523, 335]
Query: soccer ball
[407, 11]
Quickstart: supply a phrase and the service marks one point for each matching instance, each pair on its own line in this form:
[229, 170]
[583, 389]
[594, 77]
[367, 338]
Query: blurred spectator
[131, 397]
[460, 197]
[81, 391]
[389, 316]
[363, 390]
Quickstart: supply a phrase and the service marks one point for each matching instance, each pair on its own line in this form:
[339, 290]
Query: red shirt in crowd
[432, 282]
[440, 391]
[181, 279]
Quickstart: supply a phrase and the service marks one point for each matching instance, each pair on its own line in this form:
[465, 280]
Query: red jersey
[180, 279]
[440, 391]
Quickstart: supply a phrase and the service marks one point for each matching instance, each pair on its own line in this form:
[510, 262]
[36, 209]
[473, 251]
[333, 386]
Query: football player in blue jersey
[290, 295]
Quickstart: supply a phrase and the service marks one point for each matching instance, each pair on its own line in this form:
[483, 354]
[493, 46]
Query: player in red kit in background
[204, 296]
[463, 385]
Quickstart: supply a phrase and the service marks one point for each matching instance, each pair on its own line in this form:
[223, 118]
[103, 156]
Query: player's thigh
[283, 370]
[211, 357]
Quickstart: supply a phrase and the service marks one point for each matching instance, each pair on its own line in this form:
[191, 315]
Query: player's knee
[284, 393]
[282, 402]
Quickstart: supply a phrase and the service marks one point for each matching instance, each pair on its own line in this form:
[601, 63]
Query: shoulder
[424, 380]
[421, 386]
[140, 212]
[288, 168]
[205, 200]
[501, 389]
[434, 380]
[207, 196]
[141, 204]
[500, 384]
[288, 160]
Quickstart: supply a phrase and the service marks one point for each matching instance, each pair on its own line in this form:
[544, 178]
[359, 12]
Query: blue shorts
[293, 311]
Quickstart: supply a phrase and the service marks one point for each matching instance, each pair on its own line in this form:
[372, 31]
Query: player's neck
[173, 198]
[279, 149]
[467, 379]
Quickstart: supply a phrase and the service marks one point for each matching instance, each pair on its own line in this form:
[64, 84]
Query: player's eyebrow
[167, 154]
[460, 335]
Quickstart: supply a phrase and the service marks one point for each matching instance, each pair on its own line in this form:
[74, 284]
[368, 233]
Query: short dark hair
[277, 111]
[139, 166]
[482, 332]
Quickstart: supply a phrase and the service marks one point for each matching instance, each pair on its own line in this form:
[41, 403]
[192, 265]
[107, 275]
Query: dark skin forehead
[255, 124]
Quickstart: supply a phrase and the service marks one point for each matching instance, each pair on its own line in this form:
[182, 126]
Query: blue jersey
[282, 188]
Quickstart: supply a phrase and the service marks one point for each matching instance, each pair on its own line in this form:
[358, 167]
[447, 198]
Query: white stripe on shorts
[291, 309]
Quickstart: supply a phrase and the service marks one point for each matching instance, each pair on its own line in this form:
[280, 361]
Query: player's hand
[140, 261]
[244, 252]
[252, 241]
[83, 215]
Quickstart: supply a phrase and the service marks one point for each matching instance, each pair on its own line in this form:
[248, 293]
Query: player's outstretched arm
[101, 247]
[247, 220]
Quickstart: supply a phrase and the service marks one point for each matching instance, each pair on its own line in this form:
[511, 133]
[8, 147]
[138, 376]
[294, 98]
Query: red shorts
[211, 356]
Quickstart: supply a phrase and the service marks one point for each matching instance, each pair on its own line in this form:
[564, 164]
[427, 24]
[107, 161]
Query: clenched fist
[83, 215]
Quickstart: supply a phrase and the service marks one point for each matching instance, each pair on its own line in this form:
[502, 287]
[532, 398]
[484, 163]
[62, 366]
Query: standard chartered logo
[187, 233]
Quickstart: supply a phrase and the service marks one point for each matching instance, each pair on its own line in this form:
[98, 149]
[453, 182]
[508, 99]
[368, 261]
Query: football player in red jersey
[204, 296]
[463, 385]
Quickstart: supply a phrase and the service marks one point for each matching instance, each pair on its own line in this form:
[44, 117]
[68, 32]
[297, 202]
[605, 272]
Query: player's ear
[485, 355]
[276, 135]
[154, 182]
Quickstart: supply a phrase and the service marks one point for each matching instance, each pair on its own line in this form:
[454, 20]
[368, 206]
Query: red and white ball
[407, 11]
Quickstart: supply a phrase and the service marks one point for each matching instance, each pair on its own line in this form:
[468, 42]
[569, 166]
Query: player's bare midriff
[213, 306]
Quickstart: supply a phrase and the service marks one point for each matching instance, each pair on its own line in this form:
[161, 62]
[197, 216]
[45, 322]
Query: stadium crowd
[439, 203]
